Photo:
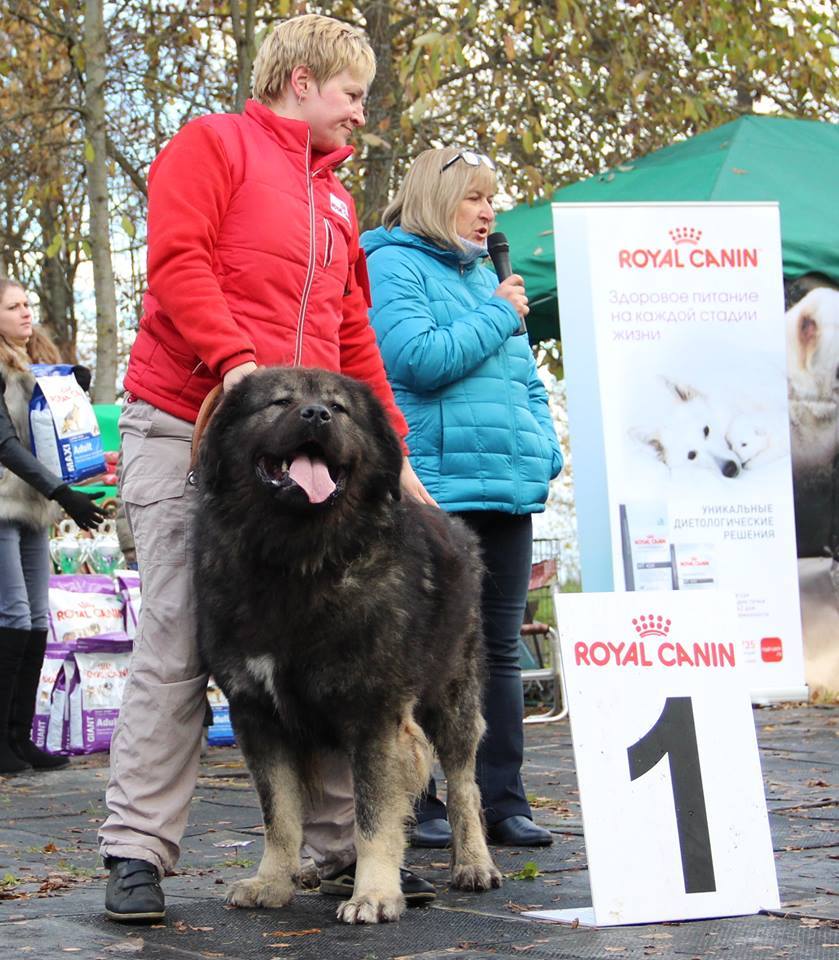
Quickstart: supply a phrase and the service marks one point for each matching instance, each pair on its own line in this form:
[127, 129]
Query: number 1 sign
[672, 796]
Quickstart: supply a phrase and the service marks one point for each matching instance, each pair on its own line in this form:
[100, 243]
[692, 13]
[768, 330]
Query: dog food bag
[83, 582]
[95, 693]
[63, 426]
[58, 726]
[220, 733]
[89, 608]
[54, 657]
[128, 583]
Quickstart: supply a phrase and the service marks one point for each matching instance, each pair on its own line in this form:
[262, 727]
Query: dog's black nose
[316, 413]
[730, 469]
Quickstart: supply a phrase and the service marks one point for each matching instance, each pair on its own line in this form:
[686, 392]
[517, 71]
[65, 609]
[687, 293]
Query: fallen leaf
[132, 945]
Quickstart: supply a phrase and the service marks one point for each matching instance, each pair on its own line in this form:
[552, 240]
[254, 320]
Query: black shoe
[10, 761]
[36, 757]
[134, 894]
[416, 891]
[432, 833]
[519, 831]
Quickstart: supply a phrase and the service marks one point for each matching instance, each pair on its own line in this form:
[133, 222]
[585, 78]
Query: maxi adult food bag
[62, 424]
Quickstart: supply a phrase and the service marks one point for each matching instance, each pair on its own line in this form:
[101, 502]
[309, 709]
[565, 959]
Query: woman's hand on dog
[235, 374]
[412, 486]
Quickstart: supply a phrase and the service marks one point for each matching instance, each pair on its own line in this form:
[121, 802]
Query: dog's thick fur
[352, 623]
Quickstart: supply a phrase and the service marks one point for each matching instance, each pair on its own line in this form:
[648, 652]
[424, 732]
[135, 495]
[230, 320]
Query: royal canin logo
[649, 541]
[694, 562]
[685, 235]
[651, 625]
[687, 252]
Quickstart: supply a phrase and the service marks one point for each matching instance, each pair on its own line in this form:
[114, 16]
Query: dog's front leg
[277, 782]
[457, 731]
[387, 774]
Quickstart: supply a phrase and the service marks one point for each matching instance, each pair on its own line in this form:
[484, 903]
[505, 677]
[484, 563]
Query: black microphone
[498, 248]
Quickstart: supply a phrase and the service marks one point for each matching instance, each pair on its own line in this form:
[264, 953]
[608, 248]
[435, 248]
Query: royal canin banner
[675, 357]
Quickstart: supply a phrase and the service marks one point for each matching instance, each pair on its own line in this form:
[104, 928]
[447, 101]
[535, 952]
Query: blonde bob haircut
[427, 200]
[324, 45]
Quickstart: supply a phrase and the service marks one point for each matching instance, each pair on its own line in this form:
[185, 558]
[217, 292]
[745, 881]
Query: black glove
[83, 376]
[80, 506]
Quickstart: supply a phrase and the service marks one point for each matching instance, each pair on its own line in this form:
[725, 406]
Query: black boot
[12, 645]
[23, 706]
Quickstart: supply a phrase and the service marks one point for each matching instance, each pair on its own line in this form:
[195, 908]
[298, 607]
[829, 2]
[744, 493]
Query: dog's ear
[681, 391]
[808, 335]
[209, 472]
[388, 447]
[651, 440]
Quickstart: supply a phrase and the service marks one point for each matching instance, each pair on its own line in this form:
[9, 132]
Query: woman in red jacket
[253, 259]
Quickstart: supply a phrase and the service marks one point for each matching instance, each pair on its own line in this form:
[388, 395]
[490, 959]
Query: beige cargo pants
[156, 746]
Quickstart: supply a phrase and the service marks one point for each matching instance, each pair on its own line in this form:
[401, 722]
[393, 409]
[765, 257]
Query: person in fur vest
[27, 490]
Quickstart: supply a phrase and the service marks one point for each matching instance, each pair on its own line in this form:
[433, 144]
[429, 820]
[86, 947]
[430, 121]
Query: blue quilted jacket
[481, 435]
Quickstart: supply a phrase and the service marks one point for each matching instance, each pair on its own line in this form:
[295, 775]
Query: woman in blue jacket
[481, 436]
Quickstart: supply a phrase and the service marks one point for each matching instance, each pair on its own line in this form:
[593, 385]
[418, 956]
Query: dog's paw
[307, 877]
[475, 876]
[254, 892]
[371, 909]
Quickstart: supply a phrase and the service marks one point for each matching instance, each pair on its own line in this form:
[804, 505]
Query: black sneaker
[134, 894]
[416, 891]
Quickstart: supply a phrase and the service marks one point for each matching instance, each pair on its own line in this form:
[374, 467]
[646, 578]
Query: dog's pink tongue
[312, 476]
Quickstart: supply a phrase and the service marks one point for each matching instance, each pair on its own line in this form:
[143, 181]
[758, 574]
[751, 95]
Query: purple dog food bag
[54, 657]
[58, 727]
[83, 605]
[128, 582]
[96, 695]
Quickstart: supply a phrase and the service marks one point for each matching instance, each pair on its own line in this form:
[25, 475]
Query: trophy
[103, 552]
[67, 549]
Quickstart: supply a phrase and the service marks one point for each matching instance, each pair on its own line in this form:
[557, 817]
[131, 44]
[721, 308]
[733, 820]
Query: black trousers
[507, 549]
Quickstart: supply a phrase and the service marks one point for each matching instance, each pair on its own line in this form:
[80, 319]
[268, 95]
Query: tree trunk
[56, 290]
[243, 34]
[96, 160]
[385, 104]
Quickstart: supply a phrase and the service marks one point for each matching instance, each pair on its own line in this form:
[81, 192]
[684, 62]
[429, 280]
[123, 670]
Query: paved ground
[52, 887]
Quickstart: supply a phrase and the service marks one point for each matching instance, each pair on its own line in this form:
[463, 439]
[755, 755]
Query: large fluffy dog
[333, 614]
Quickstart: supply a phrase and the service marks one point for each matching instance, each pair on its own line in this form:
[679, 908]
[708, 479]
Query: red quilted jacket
[252, 255]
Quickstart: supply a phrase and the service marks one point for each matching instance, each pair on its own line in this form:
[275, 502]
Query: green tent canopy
[753, 158]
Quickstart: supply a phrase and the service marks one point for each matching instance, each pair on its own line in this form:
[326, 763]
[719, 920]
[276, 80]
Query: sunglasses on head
[471, 157]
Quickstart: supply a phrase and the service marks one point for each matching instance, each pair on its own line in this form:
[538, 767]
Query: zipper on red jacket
[310, 272]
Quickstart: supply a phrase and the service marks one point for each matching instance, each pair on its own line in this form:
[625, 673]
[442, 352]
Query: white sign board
[675, 359]
[673, 805]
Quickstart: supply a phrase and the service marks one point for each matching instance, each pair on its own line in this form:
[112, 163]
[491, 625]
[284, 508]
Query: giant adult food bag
[88, 694]
[63, 427]
[54, 657]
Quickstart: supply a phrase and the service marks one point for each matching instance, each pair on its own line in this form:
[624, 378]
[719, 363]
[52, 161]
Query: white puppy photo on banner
[674, 346]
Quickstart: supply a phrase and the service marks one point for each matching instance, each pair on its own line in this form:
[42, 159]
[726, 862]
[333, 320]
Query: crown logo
[653, 625]
[685, 235]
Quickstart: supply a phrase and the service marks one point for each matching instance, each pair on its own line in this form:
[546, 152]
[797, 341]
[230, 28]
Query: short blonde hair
[325, 45]
[427, 200]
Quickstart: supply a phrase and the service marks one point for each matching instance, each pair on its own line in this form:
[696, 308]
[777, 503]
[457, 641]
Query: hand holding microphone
[511, 287]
